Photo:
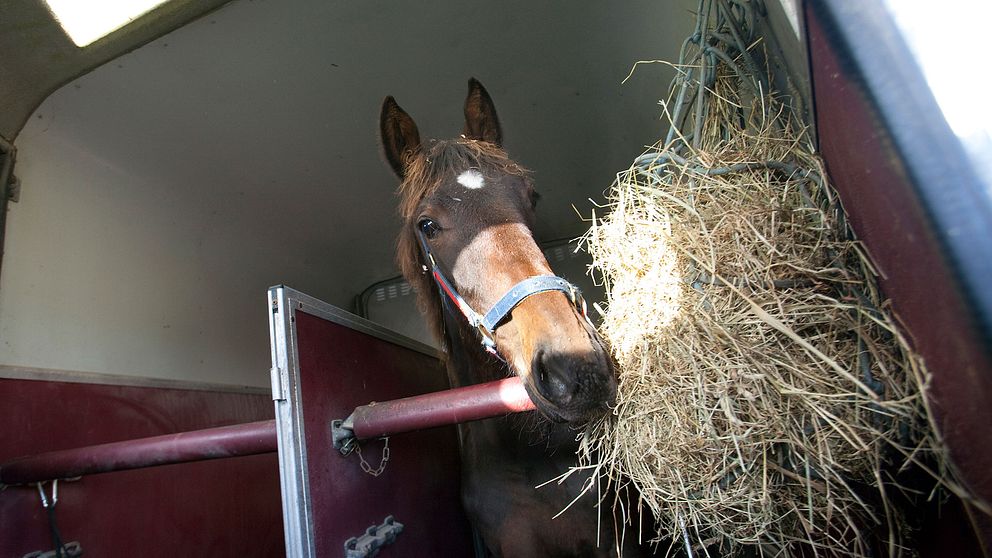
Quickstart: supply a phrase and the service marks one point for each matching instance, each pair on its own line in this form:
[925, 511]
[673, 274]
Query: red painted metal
[221, 507]
[374, 420]
[441, 408]
[199, 445]
[231, 507]
[341, 368]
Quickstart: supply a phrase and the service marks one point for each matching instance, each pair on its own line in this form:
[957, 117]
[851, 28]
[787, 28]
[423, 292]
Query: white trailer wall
[165, 191]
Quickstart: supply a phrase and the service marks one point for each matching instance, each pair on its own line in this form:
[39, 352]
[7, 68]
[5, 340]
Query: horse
[466, 243]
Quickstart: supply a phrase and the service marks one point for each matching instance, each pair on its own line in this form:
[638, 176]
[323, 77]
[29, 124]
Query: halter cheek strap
[487, 324]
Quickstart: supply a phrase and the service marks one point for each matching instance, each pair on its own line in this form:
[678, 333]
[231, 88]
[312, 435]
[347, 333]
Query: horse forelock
[437, 163]
[440, 160]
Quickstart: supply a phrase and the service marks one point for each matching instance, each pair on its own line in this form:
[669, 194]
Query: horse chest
[501, 472]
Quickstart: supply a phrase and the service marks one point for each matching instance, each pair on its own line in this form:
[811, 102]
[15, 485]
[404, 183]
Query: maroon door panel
[341, 368]
[227, 507]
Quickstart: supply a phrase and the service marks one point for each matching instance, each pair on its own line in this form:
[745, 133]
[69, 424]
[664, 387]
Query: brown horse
[468, 212]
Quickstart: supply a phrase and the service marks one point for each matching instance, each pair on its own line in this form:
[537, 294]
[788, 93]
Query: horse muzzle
[572, 387]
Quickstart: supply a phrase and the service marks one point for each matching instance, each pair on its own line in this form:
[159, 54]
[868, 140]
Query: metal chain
[382, 464]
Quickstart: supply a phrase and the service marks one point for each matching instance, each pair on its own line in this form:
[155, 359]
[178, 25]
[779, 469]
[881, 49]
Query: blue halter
[487, 323]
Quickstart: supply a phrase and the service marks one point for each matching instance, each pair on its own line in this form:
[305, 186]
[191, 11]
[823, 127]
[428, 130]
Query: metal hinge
[375, 537]
[279, 388]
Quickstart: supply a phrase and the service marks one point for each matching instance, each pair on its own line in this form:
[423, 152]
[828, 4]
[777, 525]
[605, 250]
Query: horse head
[467, 239]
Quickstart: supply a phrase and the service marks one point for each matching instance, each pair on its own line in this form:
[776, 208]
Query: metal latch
[375, 537]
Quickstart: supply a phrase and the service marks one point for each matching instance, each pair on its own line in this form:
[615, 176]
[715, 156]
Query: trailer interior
[158, 180]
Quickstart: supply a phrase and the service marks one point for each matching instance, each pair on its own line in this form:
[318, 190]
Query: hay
[765, 394]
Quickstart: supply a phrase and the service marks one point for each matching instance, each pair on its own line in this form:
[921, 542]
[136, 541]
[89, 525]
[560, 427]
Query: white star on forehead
[471, 179]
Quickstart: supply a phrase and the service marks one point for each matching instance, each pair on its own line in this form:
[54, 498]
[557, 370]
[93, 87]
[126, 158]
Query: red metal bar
[197, 445]
[442, 408]
[369, 421]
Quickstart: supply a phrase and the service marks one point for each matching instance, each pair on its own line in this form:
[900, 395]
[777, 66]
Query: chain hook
[348, 446]
[55, 494]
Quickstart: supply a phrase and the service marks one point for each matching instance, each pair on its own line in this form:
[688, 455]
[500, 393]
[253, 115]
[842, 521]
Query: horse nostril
[552, 378]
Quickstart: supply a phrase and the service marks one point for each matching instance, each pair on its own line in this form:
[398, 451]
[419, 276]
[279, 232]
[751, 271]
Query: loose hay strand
[762, 390]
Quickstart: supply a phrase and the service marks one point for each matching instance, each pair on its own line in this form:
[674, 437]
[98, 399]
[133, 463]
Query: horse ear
[481, 122]
[399, 135]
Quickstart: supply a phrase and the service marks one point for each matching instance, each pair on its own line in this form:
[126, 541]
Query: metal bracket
[375, 537]
[72, 550]
[342, 436]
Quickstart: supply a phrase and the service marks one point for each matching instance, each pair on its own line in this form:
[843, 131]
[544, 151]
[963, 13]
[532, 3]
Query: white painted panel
[165, 191]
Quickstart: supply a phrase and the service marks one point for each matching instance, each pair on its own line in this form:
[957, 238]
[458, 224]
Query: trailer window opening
[86, 22]
[948, 43]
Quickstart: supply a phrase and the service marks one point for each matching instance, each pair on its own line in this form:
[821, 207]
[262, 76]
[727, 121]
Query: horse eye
[429, 228]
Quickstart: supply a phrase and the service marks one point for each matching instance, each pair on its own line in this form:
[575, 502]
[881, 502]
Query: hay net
[767, 401]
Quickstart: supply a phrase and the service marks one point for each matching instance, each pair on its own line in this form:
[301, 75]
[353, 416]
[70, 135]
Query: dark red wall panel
[226, 507]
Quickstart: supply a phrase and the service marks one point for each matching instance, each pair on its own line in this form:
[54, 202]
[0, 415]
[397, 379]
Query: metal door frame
[283, 302]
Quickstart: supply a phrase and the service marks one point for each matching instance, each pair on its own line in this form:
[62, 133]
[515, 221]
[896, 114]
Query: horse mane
[426, 171]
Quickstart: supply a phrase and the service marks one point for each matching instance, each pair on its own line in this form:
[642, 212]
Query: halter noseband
[487, 323]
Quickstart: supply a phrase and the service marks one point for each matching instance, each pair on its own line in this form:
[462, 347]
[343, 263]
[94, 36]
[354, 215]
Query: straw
[764, 390]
